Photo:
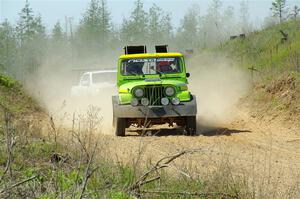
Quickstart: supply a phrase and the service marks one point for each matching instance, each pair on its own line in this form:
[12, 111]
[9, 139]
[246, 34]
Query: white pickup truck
[94, 82]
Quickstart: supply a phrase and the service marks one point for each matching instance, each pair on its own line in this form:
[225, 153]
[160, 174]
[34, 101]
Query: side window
[85, 80]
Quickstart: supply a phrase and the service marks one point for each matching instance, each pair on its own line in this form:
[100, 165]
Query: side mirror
[188, 74]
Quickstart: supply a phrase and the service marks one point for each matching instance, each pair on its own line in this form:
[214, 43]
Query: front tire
[191, 125]
[120, 126]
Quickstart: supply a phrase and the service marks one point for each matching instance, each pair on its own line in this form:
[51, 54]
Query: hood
[152, 81]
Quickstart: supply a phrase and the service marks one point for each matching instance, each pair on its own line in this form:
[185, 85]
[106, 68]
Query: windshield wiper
[159, 72]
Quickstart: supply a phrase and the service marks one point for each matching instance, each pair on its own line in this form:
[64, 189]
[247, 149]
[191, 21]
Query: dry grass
[72, 163]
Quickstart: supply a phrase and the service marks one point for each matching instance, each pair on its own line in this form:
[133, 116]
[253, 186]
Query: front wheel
[120, 126]
[191, 125]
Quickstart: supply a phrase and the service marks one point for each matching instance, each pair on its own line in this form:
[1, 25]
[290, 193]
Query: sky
[56, 10]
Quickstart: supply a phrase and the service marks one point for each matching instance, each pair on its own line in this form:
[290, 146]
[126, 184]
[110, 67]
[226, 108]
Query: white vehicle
[94, 82]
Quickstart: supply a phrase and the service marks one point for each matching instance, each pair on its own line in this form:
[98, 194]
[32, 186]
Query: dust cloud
[218, 84]
[51, 86]
[215, 80]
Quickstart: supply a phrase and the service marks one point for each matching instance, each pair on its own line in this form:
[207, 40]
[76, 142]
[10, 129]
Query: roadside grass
[14, 98]
[266, 50]
[271, 61]
[46, 167]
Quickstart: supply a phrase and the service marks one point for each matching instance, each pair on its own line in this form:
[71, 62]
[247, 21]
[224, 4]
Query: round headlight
[164, 101]
[134, 102]
[139, 92]
[175, 101]
[170, 91]
[145, 102]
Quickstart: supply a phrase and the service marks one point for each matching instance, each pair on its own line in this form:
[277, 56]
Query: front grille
[154, 94]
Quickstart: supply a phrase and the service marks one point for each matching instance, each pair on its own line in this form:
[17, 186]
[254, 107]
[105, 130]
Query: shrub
[6, 81]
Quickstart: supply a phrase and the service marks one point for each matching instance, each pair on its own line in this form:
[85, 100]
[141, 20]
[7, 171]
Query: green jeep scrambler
[152, 89]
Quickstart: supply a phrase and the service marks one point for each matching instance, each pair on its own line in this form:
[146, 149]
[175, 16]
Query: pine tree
[134, 29]
[228, 22]
[154, 26]
[95, 26]
[214, 10]
[244, 17]
[8, 47]
[32, 41]
[25, 25]
[159, 26]
[211, 25]
[294, 14]
[126, 32]
[105, 21]
[279, 9]
[89, 28]
[57, 33]
[187, 34]
[166, 29]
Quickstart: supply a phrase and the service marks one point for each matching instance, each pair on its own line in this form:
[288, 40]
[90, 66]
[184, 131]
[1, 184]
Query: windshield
[108, 77]
[151, 66]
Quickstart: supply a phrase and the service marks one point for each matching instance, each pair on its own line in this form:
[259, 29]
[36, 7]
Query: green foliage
[8, 46]
[95, 27]
[134, 29]
[22, 46]
[188, 29]
[266, 50]
[6, 81]
[279, 9]
[119, 195]
[294, 14]
[66, 180]
[244, 16]
[57, 33]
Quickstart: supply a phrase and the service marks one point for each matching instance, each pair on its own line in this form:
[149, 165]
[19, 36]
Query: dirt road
[264, 152]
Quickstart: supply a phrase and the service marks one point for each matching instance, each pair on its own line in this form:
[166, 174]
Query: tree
[228, 23]
[187, 34]
[95, 26]
[279, 9]
[244, 17]
[105, 20]
[31, 41]
[89, 28]
[211, 25]
[294, 14]
[57, 33]
[166, 29]
[59, 45]
[134, 29]
[154, 27]
[159, 26]
[8, 47]
[25, 24]
[214, 10]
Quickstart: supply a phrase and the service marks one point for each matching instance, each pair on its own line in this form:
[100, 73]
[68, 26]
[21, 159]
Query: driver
[135, 68]
[164, 67]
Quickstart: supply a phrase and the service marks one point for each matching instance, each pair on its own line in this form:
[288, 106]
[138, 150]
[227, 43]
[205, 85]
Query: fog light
[145, 102]
[164, 101]
[134, 102]
[175, 101]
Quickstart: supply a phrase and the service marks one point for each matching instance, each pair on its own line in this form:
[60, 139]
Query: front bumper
[128, 111]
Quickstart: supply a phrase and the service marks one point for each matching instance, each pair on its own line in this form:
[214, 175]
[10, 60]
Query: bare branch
[162, 163]
[18, 184]
[88, 171]
[10, 141]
